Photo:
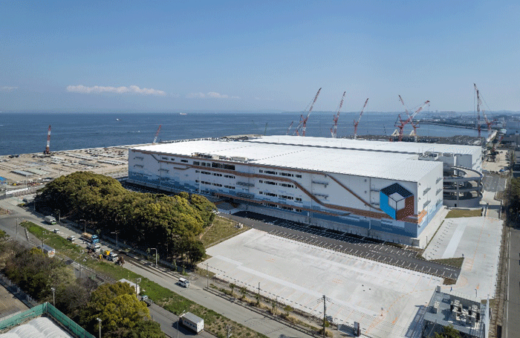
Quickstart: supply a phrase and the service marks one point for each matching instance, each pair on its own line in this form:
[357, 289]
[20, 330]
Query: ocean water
[27, 132]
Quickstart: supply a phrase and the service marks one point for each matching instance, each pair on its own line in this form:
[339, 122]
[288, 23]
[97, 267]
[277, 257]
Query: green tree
[243, 292]
[232, 287]
[143, 329]
[448, 332]
[288, 309]
[36, 273]
[195, 250]
[3, 236]
[116, 305]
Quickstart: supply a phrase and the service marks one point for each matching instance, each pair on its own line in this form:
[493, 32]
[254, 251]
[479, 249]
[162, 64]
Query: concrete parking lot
[477, 239]
[347, 243]
[383, 298]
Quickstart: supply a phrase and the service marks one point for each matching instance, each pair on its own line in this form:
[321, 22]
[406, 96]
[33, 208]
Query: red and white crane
[48, 147]
[157, 134]
[356, 123]
[478, 109]
[479, 103]
[303, 121]
[400, 123]
[335, 118]
[289, 129]
[414, 124]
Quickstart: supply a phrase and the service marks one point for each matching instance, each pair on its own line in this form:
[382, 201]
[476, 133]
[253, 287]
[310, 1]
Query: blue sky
[257, 55]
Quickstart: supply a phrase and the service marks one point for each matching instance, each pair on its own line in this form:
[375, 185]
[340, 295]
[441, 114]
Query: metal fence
[45, 309]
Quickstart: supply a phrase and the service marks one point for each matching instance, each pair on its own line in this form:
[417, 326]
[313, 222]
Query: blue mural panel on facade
[396, 201]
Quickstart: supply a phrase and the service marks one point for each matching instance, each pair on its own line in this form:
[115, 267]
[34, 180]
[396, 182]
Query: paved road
[169, 322]
[168, 279]
[512, 303]
[494, 183]
[347, 243]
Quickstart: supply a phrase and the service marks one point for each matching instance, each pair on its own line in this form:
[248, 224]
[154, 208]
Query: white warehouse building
[384, 190]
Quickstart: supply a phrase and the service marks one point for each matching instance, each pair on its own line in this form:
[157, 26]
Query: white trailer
[192, 322]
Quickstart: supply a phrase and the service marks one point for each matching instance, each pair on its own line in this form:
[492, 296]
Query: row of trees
[170, 223]
[122, 314]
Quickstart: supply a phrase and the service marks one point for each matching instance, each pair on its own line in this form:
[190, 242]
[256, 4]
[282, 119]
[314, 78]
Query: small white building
[133, 285]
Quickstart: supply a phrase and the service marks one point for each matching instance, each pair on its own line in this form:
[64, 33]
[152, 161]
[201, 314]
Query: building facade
[386, 195]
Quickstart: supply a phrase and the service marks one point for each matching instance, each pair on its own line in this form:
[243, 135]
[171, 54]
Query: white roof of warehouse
[380, 146]
[393, 166]
[40, 327]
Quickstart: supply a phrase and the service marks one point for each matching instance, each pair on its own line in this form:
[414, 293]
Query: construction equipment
[359, 119]
[399, 124]
[157, 134]
[48, 147]
[479, 103]
[303, 121]
[478, 109]
[289, 129]
[335, 118]
[415, 125]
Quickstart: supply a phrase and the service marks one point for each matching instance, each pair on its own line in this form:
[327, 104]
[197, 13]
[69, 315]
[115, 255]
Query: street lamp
[155, 256]
[116, 233]
[99, 320]
[53, 296]
[183, 312]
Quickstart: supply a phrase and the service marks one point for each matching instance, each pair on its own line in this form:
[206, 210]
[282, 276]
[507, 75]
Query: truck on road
[90, 238]
[192, 322]
[50, 220]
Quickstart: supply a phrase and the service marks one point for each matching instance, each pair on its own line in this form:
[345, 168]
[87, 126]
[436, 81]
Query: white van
[184, 282]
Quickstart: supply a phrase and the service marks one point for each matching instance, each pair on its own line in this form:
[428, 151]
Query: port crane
[356, 123]
[478, 109]
[48, 147]
[479, 103]
[289, 129]
[415, 125]
[399, 124]
[157, 134]
[335, 118]
[303, 121]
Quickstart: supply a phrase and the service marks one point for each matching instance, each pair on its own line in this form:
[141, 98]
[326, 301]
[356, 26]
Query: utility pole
[207, 275]
[324, 300]
[16, 229]
[229, 328]
[258, 294]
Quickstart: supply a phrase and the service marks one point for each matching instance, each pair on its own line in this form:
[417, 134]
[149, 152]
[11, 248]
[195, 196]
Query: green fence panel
[22, 317]
[50, 310]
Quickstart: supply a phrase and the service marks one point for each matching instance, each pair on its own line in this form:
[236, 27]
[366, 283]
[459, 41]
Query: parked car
[71, 238]
[56, 231]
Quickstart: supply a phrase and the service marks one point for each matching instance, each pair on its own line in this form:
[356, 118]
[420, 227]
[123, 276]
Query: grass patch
[455, 262]
[53, 240]
[221, 229]
[464, 213]
[213, 322]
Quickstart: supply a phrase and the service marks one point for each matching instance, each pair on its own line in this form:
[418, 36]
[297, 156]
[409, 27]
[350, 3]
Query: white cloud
[210, 95]
[7, 88]
[118, 90]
